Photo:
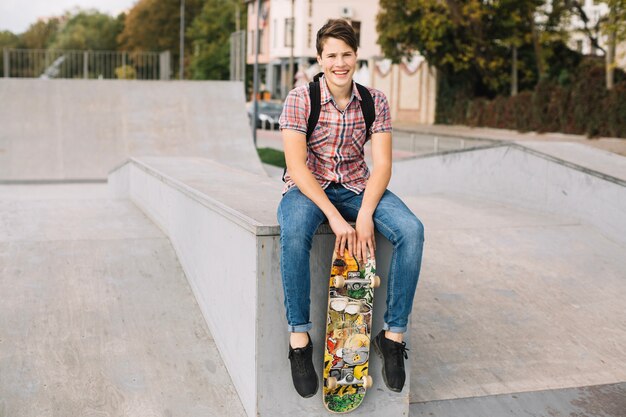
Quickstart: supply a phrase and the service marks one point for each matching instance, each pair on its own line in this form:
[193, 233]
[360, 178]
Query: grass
[272, 157]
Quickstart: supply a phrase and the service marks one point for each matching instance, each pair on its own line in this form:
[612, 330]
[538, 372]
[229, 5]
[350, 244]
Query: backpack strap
[315, 94]
[367, 107]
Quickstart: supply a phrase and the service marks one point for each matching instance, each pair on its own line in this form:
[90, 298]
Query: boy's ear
[319, 60]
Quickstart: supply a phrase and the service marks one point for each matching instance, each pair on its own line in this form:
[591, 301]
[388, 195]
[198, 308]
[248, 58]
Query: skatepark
[140, 276]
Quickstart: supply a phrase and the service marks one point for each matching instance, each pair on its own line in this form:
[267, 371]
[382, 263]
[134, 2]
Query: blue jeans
[299, 219]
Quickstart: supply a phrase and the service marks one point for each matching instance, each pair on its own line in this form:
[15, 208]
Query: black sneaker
[302, 371]
[393, 355]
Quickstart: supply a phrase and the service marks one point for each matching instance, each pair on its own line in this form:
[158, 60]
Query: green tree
[479, 44]
[154, 25]
[467, 40]
[210, 37]
[41, 34]
[8, 39]
[614, 27]
[88, 30]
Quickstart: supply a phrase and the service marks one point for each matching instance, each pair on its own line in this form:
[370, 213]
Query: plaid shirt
[335, 149]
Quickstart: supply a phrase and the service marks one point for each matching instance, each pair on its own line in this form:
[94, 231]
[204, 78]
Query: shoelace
[298, 357]
[401, 350]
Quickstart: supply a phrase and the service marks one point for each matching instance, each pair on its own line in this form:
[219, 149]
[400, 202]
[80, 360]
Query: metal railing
[424, 144]
[49, 64]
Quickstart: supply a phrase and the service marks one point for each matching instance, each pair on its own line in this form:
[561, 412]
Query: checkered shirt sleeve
[295, 110]
[383, 115]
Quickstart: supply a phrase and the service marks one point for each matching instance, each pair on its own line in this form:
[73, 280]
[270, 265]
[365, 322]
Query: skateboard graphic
[348, 329]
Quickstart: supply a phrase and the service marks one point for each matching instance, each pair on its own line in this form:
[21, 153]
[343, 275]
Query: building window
[289, 32]
[309, 34]
[275, 40]
[251, 45]
[579, 46]
[310, 8]
[357, 29]
[261, 41]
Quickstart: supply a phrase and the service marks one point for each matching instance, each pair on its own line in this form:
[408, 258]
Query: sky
[17, 15]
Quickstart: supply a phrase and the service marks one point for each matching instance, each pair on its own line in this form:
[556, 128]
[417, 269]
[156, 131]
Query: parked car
[269, 112]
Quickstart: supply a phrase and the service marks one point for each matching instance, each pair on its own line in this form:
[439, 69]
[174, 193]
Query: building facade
[579, 41]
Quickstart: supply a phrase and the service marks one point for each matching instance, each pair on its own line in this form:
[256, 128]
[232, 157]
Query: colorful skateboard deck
[348, 330]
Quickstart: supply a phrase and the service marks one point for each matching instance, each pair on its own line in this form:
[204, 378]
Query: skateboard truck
[356, 283]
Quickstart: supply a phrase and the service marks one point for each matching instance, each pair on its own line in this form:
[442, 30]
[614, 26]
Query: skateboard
[348, 329]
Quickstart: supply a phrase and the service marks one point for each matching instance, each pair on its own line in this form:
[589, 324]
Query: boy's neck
[340, 93]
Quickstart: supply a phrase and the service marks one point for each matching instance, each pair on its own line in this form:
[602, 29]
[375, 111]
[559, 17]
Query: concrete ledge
[525, 177]
[222, 223]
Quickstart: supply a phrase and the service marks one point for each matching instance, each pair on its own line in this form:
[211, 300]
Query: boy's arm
[294, 143]
[374, 190]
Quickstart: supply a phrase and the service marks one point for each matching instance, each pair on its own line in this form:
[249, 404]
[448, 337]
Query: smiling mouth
[340, 72]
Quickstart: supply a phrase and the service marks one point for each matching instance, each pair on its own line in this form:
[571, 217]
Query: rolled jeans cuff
[300, 328]
[394, 329]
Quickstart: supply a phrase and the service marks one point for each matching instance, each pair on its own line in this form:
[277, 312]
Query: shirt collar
[325, 96]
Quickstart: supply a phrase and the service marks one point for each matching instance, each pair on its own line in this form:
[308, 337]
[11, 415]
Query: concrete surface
[81, 129]
[596, 401]
[223, 227]
[513, 300]
[516, 176]
[97, 318]
[518, 311]
[510, 300]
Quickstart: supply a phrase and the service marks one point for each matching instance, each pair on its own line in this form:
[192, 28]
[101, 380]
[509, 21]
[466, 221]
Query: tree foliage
[471, 41]
[41, 34]
[89, 30]
[210, 36]
[9, 39]
[154, 25]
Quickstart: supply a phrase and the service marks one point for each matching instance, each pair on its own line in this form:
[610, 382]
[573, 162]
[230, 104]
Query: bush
[617, 110]
[582, 107]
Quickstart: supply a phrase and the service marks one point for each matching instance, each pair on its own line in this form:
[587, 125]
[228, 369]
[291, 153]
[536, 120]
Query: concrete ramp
[571, 180]
[81, 129]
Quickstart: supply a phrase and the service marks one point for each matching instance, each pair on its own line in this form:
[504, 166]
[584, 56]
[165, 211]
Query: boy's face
[338, 61]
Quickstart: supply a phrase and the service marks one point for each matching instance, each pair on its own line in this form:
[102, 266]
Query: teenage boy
[328, 179]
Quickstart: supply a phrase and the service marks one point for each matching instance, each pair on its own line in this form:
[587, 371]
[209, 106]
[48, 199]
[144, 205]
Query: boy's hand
[365, 239]
[345, 235]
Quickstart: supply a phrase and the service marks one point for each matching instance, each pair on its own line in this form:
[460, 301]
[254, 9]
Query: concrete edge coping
[231, 213]
[533, 152]
[448, 135]
[54, 181]
[568, 164]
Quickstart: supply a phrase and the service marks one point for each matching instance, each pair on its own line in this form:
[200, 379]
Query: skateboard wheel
[338, 281]
[375, 282]
[331, 382]
[368, 381]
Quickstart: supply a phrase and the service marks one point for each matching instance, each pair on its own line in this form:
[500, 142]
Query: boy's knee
[413, 230]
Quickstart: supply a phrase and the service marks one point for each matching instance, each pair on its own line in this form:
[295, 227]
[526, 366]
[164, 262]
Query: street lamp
[255, 88]
[182, 40]
[291, 38]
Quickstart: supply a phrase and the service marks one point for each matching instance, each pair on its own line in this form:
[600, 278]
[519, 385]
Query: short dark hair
[338, 29]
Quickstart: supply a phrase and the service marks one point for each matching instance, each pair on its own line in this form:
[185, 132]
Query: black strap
[367, 108]
[315, 93]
